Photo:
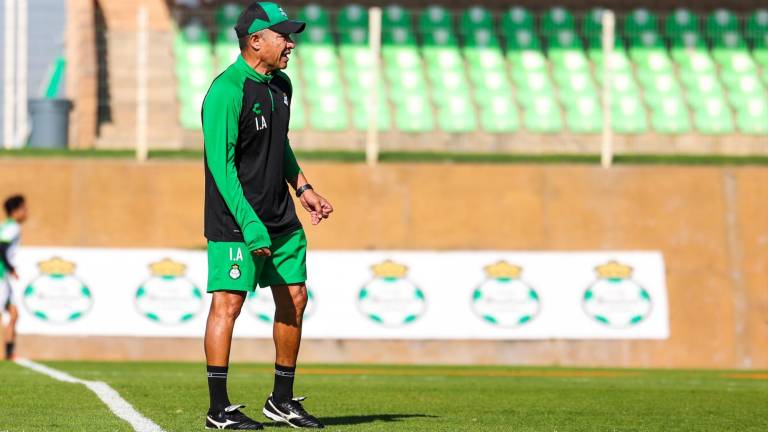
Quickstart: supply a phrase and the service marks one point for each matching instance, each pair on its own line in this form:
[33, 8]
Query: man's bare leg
[10, 331]
[290, 302]
[225, 308]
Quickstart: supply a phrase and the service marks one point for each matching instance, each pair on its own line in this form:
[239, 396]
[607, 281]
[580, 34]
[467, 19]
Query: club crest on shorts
[614, 299]
[168, 297]
[390, 299]
[504, 299]
[234, 272]
[260, 304]
[57, 295]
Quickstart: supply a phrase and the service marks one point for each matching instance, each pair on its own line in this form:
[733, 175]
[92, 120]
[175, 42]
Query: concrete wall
[711, 223]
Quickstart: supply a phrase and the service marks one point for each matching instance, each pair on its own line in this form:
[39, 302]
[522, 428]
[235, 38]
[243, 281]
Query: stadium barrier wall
[710, 223]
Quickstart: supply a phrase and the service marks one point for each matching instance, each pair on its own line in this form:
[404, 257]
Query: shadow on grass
[360, 419]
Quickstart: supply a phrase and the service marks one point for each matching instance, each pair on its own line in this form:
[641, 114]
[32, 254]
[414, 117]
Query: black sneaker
[231, 418]
[290, 412]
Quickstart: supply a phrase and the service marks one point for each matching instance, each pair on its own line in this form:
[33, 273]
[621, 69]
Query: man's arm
[318, 207]
[221, 112]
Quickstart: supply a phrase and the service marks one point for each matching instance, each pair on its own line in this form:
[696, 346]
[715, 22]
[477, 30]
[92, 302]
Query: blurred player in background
[254, 236]
[10, 236]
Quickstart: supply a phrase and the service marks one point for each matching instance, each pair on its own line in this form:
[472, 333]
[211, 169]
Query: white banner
[355, 295]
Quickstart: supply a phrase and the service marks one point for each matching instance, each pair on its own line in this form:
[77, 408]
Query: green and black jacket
[248, 157]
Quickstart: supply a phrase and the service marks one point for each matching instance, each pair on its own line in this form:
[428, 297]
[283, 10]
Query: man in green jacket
[254, 236]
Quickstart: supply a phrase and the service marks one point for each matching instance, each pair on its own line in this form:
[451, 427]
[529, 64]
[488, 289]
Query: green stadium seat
[557, 19]
[315, 16]
[498, 114]
[592, 23]
[760, 51]
[569, 61]
[318, 57]
[356, 57]
[475, 17]
[298, 113]
[619, 64]
[328, 113]
[542, 115]
[515, 19]
[447, 84]
[751, 117]
[352, 16]
[322, 83]
[656, 61]
[361, 111]
[730, 51]
[395, 16]
[226, 48]
[646, 40]
[697, 62]
[414, 114]
[481, 38]
[315, 36]
[528, 61]
[357, 37]
[522, 40]
[628, 115]
[401, 57]
[574, 87]
[489, 84]
[583, 115]
[531, 85]
[485, 59]
[435, 17]
[440, 37]
[443, 59]
[226, 16]
[757, 25]
[685, 44]
[398, 36]
[713, 117]
[670, 116]
[406, 82]
[658, 87]
[744, 88]
[640, 20]
[456, 114]
[564, 39]
[361, 81]
[702, 88]
[681, 20]
[595, 48]
[721, 20]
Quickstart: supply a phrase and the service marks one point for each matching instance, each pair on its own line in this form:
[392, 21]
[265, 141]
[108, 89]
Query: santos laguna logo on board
[168, 297]
[390, 299]
[57, 295]
[614, 299]
[504, 299]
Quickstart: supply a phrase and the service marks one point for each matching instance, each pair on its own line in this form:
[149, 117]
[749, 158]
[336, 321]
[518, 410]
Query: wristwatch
[300, 190]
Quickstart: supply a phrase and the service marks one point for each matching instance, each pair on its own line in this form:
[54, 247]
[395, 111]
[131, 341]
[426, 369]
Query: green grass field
[400, 398]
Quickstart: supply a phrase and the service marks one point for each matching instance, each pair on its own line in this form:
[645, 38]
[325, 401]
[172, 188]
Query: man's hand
[318, 207]
[263, 252]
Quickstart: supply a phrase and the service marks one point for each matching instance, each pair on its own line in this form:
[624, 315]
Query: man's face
[20, 214]
[274, 49]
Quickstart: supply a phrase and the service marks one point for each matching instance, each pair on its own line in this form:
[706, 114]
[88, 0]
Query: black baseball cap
[266, 15]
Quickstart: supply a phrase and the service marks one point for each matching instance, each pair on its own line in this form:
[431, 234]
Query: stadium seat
[564, 40]
[685, 44]
[442, 58]
[361, 111]
[435, 17]
[352, 16]
[757, 25]
[531, 85]
[681, 20]
[592, 23]
[515, 19]
[395, 16]
[226, 16]
[321, 83]
[670, 116]
[488, 84]
[542, 115]
[640, 20]
[457, 114]
[557, 19]
[448, 84]
[499, 115]
[298, 114]
[760, 51]
[226, 48]
[583, 115]
[628, 115]
[745, 88]
[328, 113]
[713, 117]
[721, 20]
[703, 88]
[727, 44]
[522, 40]
[315, 16]
[481, 38]
[751, 117]
[659, 87]
[474, 18]
[575, 86]
[526, 61]
[413, 113]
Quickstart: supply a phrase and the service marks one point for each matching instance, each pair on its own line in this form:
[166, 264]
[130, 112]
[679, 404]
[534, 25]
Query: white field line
[119, 406]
